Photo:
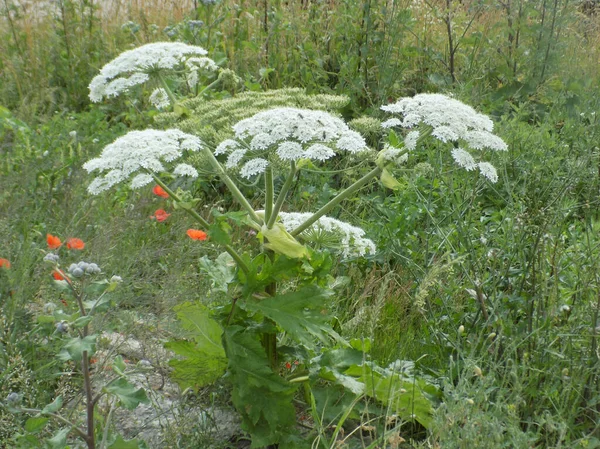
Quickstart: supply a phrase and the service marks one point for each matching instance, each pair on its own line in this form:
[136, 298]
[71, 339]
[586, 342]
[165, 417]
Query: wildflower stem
[77, 430]
[268, 194]
[232, 252]
[337, 200]
[239, 196]
[282, 195]
[167, 88]
[210, 86]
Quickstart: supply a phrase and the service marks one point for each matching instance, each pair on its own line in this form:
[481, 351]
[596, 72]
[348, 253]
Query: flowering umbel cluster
[287, 134]
[450, 121]
[135, 67]
[350, 240]
[141, 151]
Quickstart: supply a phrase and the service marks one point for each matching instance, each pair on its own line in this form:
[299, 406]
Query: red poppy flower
[160, 215]
[58, 275]
[159, 191]
[53, 242]
[4, 263]
[196, 234]
[75, 243]
[288, 365]
[64, 302]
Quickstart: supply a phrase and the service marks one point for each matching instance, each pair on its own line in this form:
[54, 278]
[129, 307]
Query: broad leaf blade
[129, 396]
[205, 359]
[302, 314]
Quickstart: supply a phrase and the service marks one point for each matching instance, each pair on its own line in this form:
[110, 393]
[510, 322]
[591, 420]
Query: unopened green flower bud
[461, 329]
[492, 335]
[62, 327]
[77, 272]
[478, 371]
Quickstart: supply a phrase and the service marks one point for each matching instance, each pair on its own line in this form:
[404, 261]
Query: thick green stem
[337, 200]
[268, 194]
[232, 252]
[239, 196]
[282, 195]
[210, 86]
[167, 88]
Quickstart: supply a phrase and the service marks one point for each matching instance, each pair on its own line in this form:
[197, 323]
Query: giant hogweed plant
[275, 336]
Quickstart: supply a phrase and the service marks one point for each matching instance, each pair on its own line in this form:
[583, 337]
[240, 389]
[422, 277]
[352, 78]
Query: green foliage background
[515, 263]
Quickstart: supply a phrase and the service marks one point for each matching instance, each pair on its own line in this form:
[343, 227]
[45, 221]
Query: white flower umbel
[135, 66]
[140, 151]
[350, 240]
[194, 65]
[288, 135]
[185, 170]
[450, 121]
[160, 99]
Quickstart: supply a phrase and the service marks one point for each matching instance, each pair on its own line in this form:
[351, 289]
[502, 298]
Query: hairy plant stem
[210, 86]
[282, 195]
[239, 196]
[167, 89]
[268, 194]
[232, 252]
[337, 200]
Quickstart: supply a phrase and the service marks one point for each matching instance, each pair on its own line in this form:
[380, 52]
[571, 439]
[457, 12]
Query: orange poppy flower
[75, 243]
[160, 215]
[53, 242]
[159, 191]
[196, 234]
[58, 275]
[4, 263]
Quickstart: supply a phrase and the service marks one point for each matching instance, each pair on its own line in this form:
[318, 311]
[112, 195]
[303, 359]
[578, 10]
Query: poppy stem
[232, 252]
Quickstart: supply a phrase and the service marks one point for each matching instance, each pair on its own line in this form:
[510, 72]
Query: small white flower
[135, 151]
[290, 151]
[253, 167]
[410, 141]
[352, 240]
[464, 159]
[141, 180]
[451, 121]
[319, 152]
[226, 146]
[133, 67]
[288, 134]
[185, 170]
[234, 158]
[396, 155]
[73, 134]
[160, 99]
[488, 171]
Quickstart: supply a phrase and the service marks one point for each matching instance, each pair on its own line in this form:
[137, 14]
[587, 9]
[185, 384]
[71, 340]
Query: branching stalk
[337, 200]
[282, 195]
[232, 252]
[268, 194]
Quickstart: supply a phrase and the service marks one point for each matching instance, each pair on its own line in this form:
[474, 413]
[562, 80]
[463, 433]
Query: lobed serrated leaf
[128, 394]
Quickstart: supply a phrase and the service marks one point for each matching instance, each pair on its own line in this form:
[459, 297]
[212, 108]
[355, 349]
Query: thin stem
[282, 194]
[232, 252]
[106, 426]
[167, 89]
[268, 194]
[89, 398]
[77, 430]
[239, 196]
[210, 86]
[337, 200]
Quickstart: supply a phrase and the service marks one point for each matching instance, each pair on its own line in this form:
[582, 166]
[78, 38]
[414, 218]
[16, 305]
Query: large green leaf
[129, 396]
[35, 424]
[204, 357]
[262, 397]
[59, 439]
[120, 443]
[54, 406]
[75, 348]
[302, 314]
[221, 271]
